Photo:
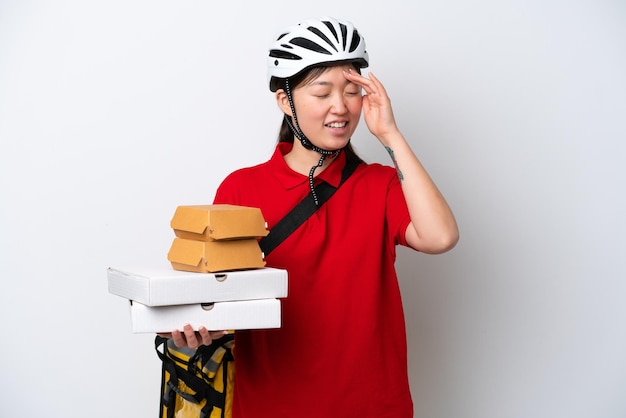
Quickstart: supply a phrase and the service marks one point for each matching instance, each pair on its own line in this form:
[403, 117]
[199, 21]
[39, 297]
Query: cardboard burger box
[235, 315]
[160, 285]
[214, 256]
[218, 222]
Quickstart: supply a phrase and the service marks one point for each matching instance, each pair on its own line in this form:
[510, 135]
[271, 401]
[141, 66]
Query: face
[328, 108]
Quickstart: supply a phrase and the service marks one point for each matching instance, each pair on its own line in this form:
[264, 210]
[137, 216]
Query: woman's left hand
[377, 110]
[193, 339]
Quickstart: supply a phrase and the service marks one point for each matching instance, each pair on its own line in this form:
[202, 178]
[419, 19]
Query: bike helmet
[314, 42]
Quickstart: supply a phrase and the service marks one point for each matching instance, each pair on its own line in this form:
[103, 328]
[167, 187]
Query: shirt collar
[291, 179]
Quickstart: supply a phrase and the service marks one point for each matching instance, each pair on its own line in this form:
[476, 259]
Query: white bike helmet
[313, 42]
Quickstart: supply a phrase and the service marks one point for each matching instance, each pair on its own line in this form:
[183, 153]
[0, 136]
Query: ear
[283, 102]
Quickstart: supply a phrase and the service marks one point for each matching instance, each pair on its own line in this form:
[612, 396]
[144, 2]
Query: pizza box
[235, 315]
[162, 285]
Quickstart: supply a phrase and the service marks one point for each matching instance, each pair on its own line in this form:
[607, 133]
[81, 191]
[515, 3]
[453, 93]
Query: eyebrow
[327, 83]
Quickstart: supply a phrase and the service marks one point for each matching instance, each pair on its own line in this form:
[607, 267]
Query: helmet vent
[332, 29]
[310, 45]
[277, 53]
[356, 39]
[344, 34]
[321, 35]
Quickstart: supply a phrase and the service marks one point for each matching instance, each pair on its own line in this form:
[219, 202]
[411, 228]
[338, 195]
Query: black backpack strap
[168, 399]
[216, 398]
[192, 381]
[303, 211]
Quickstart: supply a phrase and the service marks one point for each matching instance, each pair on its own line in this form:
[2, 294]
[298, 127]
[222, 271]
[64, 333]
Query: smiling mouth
[337, 124]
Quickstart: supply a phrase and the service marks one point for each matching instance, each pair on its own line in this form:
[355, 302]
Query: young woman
[341, 350]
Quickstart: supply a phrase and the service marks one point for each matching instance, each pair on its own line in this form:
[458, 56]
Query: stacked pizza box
[216, 278]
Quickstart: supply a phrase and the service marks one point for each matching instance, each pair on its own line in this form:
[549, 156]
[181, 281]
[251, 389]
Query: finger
[357, 78]
[190, 336]
[206, 337]
[376, 82]
[178, 338]
[218, 334]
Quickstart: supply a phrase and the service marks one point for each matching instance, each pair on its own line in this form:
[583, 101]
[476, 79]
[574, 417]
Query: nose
[339, 105]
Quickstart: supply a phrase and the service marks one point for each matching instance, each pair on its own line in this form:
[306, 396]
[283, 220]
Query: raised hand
[377, 110]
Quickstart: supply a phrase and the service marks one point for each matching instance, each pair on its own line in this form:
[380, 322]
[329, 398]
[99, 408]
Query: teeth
[337, 124]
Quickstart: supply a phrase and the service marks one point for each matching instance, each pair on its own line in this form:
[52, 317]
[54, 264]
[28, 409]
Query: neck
[300, 159]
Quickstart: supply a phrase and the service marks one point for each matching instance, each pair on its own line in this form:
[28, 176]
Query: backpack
[196, 383]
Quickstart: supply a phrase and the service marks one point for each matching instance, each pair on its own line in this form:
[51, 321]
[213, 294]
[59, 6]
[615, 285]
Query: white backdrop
[113, 113]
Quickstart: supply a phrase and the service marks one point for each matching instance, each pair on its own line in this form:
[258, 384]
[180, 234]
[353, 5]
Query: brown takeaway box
[218, 222]
[213, 256]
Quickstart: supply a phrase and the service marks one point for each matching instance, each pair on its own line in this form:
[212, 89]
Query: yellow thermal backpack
[196, 383]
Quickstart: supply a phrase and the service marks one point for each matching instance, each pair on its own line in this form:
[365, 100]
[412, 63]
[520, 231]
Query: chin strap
[306, 143]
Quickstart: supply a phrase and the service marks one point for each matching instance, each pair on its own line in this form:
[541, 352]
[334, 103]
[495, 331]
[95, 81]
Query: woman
[341, 350]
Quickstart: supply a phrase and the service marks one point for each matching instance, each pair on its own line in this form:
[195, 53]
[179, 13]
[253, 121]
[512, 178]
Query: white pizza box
[235, 315]
[162, 285]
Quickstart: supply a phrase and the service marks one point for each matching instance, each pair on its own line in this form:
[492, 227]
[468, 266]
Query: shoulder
[375, 173]
[256, 172]
[246, 174]
[376, 168]
[240, 182]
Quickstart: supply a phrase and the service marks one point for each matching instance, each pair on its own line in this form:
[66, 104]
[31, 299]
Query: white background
[113, 113]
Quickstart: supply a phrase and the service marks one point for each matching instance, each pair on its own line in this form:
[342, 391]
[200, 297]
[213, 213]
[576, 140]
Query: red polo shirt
[341, 350]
